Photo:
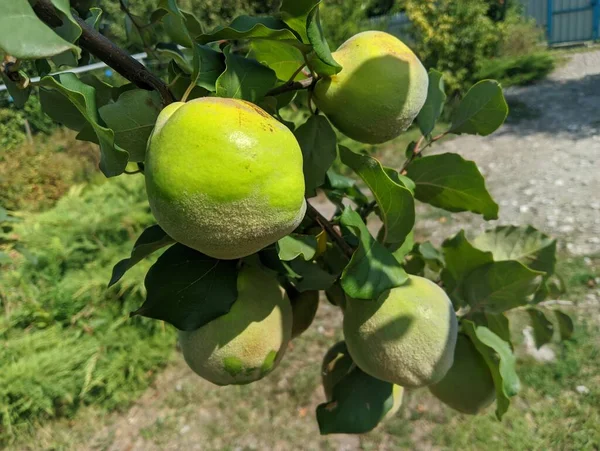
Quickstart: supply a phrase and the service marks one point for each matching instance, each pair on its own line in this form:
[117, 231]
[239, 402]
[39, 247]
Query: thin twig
[314, 214]
[418, 149]
[293, 86]
[105, 50]
[139, 29]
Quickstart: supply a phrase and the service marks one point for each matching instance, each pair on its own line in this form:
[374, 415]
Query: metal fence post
[596, 20]
[549, 19]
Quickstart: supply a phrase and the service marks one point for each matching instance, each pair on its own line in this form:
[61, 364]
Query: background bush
[34, 176]
[469, 40]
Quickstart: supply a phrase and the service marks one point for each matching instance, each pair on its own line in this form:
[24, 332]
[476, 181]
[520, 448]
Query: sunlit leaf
[132, 118]
[373, 269]
[396, 203]
[501, 286]
[434, 105]
[501, 361]
[482, 111]
[24, 36]
[113, 159]
[450, 182]
[244, 78]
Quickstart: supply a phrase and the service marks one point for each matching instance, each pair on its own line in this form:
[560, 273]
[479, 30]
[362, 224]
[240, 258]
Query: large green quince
[380, 90]
[224, 177]
[468, 386]
[406, 336]
[248, 342]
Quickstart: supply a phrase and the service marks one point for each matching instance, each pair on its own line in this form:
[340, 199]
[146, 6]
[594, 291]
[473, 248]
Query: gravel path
[543, 166]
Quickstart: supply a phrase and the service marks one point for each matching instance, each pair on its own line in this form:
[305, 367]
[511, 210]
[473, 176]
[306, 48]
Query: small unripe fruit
[380, 90]
[304, 308]
[223, 177]
[468, 386]
[406, 336]
[248, 342]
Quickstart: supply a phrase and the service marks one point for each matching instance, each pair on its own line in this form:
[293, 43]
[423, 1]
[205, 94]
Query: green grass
[67, 340]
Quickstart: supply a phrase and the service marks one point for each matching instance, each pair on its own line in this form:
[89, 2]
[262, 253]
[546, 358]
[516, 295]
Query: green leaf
[482, 111]
[294, 245]
[339, 187]
[433, 257]
[318, 142]
[401, 250]
[70, 29]
[313, 277]
[542, 328]
[320, 46]
[295, 14]
[181, 26]
[94, 19]
[498, 323]
[244, 78]
[151, 240]
[500, 359]
[396, 203]
[401, 179]
[450, 182]
[461, 259]
[282, 58]
[24, 36]
[180, 82]
[61, 109]
[500, 286]
[188, 289]
[524, 244]
[565, 324]
[173, 52]
[247, 27]
[105, 93]
[113, 159]
[434, 105]
[132, 118]
[211, 63]
[373, 269]
[18, 94]
[358, 404]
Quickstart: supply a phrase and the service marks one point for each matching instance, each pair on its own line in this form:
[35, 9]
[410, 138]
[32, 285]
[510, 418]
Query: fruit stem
[188, 91]
[316, 215]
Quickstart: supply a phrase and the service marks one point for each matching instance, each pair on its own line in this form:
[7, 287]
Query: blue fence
[566, 20]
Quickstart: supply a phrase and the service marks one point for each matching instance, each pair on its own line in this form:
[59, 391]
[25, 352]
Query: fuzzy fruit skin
[247, 343]
[406, 337]
[337, 363]
[468, 386]
[380, 90]
[223, 177]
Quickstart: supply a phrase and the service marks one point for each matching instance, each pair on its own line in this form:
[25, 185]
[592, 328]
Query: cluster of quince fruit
[225, 178]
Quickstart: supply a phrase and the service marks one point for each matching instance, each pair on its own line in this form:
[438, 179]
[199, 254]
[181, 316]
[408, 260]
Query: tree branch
[314, 214]
[293, 86]
[105, 50]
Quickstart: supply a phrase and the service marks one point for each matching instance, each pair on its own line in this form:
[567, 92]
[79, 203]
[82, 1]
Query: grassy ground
[67, 340]
[181, 411]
